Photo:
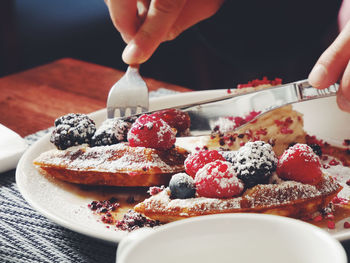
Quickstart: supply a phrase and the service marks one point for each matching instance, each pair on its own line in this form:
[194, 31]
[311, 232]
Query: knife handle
[307, 92]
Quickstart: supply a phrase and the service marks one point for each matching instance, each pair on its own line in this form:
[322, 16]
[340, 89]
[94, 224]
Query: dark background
[243, 41]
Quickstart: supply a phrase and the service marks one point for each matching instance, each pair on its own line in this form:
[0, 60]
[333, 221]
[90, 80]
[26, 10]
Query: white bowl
[232, 238]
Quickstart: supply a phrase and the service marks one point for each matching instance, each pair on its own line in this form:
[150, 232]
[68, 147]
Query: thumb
[332, 63]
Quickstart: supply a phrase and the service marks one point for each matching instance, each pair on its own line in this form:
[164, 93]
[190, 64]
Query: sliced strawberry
[300, 163]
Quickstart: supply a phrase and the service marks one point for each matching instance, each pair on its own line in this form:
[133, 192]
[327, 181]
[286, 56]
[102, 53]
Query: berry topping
[229, 156]
[112, 131]
[218, 180]
[133, 220]
[197, 160]
[300, 163]
[153, 190]
[151, 132]
[316, 148]
[176, 119]
[254, 163]
[258, 82]
[72, 129]
[182, 186]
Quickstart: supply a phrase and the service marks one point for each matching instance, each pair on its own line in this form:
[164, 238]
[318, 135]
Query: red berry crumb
[331, 224]
[153, 190]
[300, 163]
[346, 224]
[218, 180]
[263, 81]
[175, 118]
[151, 132]
[317, 218]
[197, 160]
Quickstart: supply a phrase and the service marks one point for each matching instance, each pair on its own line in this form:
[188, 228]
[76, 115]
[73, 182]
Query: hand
[145, 24]
[333, 65]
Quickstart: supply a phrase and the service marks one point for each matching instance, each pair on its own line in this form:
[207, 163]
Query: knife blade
[205, 114]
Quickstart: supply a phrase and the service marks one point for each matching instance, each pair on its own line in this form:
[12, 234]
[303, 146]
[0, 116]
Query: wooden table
[31, 100]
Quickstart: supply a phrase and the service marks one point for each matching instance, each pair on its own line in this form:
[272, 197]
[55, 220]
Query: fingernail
[343, 103]
[132, 54]
[317, 75]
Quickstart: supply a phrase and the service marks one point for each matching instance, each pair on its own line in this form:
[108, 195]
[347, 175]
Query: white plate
[66, 204]
[12, 147]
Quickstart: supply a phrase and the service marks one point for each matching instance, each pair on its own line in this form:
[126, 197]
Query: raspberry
[218, 180]
[182, 186]
[112, 131]
[300, 163]
[176, 119]
[254, 163]
[72, 129]
[197, 160]
[151, 132]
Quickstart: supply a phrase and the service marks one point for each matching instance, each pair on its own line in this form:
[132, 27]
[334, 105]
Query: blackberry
[182, 186]
[72, 129]
[112, 131]
[229, 156]
[254, 163]
[317, 149]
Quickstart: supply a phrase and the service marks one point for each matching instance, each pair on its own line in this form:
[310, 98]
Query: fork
[129, 95]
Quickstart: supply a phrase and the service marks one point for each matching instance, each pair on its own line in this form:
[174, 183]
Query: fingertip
[318, 76]
[343, 103]
[133, 54]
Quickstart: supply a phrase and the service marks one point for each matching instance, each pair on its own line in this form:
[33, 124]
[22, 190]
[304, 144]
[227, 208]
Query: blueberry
[182, 186]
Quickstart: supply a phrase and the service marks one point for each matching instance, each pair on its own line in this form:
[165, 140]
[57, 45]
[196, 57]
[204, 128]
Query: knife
[205, 114]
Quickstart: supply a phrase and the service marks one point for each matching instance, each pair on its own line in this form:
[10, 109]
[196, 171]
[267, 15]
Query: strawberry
[300, 163]
[197, 160]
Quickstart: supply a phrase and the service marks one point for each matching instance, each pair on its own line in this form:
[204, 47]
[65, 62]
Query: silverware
[129, 95]
[205, 114]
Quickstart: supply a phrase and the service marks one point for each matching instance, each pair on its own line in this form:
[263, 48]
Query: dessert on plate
[269, 166]
[251, 179]
[113, 155]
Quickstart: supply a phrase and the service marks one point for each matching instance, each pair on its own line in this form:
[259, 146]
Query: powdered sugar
[255, 154]
[342, 175]
[114, 158]
[218, 179]
[112, 131]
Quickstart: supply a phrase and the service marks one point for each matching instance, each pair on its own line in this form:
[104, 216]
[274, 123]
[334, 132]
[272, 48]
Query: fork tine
[128, 95]
[133, 110]
[122, 112]
[110, 112]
